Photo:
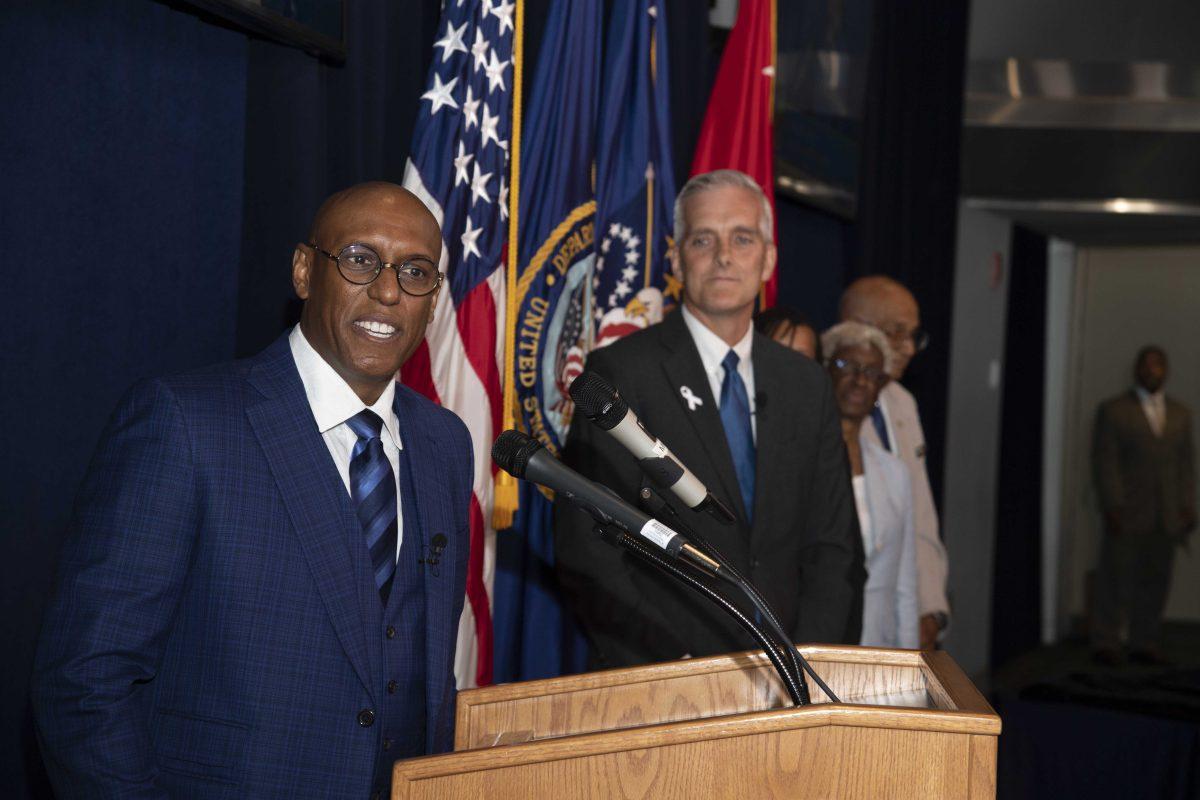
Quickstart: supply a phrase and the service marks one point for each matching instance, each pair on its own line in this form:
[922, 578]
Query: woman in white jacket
[858, 357]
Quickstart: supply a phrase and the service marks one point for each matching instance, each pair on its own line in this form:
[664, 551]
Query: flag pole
[506, 494]
[650, 165]
[649, 223]
[762, 290]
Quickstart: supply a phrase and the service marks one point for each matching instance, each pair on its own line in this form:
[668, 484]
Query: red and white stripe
[459, 366]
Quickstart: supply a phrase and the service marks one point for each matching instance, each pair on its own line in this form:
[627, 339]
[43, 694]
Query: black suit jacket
[804, 550]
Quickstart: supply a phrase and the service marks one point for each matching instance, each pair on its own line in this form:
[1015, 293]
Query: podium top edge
[687, 731]
[617, 676]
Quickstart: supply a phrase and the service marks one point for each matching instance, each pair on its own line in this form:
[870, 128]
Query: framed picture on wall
[315, 26]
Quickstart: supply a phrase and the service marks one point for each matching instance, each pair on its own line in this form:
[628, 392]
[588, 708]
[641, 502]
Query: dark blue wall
[120, 224]
[157, 169]
[815, 256]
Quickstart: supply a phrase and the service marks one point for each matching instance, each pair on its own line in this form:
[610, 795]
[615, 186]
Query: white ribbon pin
[690, 397]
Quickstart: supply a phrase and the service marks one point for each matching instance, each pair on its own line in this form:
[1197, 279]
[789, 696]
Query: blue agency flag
[635, 184]
[535, 636]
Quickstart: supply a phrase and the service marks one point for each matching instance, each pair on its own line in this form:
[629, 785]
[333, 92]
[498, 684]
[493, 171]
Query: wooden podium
[910, 725]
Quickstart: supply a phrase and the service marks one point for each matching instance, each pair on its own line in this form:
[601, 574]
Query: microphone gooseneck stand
[619, 522]
[797, 692]
[732, 575]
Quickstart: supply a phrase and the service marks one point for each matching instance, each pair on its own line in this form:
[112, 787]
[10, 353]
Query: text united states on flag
[459, 167]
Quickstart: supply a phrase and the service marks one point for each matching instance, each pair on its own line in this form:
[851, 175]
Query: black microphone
[436, 545]
[603, 405]
[524, 457]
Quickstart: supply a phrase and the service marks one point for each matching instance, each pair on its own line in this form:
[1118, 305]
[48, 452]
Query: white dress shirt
[333, 402]
[863, 506]
[1154, 406]
[712, 352]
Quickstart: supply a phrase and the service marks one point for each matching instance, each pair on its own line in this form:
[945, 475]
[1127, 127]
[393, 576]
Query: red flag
[738, 130]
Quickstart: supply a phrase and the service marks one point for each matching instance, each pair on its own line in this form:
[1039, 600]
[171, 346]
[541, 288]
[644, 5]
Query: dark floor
[1066, 672]
[1074, 728]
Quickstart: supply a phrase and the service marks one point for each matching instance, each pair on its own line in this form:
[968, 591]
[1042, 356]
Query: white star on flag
[629, 273]
[488, 125]
[622, 289]
[479, 186]
[461, 162]
[631, 256]
[470, 107]
[503, 200]
[479, 50]
[439, 95]
[635, 241]
[452, 42]
[469, 237]
[495, 72]
[504, 13]
[614, 229]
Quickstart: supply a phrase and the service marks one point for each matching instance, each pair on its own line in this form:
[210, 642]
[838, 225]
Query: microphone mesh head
[512, 451]
[598, 400]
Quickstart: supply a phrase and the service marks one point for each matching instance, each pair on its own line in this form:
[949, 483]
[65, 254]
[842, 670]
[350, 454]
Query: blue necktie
[735, 416]
[880, 426]
[373, 490]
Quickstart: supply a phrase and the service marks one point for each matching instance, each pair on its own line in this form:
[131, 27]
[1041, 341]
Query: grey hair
[724, 177]
[857, 334]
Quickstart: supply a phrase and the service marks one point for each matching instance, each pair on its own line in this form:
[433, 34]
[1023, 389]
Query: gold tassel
[504, 501]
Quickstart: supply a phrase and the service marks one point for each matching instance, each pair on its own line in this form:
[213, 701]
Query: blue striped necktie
[373, 490]
[735, 416]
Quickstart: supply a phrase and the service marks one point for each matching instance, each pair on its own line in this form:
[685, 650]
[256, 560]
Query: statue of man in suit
[244, 606]
[1143, 462]
[753, 420]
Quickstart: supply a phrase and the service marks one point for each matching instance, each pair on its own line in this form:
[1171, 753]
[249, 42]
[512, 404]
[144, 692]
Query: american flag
[459, 168]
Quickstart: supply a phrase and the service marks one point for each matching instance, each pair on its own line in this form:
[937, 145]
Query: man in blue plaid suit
[260, 592]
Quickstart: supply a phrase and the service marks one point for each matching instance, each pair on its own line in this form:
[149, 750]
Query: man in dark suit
[242, 606]
[757, 424]
[1145, 479]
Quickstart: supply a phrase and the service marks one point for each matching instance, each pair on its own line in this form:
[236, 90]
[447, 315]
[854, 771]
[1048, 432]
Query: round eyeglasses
[361, 265]
[899, 336]
[850, 368]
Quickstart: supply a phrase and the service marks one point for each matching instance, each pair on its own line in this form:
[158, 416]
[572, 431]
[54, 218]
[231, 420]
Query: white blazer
[908, 442]
[890, 616]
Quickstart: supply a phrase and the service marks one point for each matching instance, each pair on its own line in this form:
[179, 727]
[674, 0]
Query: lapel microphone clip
[433, 553]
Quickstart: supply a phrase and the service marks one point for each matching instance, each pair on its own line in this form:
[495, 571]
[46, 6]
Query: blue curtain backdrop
[158, 167]
[120, 217]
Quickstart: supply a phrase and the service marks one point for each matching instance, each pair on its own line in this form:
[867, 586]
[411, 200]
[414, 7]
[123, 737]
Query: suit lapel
[683, 367]
[313, 494]
[770, 425]
[1172, 419]
[431, 517]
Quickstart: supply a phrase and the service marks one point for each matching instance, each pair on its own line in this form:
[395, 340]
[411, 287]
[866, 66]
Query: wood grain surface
[720, 727]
